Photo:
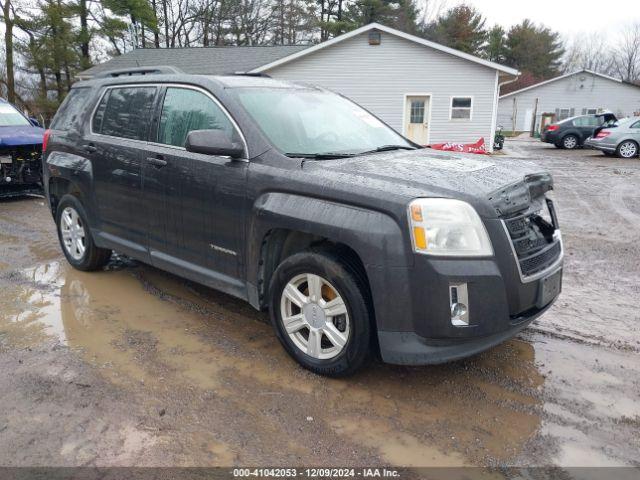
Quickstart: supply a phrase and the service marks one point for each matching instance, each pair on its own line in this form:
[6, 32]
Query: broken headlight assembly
[447, 227]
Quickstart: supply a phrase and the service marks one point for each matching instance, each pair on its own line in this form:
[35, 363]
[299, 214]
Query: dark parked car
[572, 132]
[299, 201]
[20, 152]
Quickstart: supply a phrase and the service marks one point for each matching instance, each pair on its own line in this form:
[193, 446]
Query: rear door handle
[90, 148]
[157, 162]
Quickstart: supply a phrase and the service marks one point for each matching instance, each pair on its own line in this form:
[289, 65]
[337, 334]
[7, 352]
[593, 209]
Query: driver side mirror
[35, 122]
[213, 142]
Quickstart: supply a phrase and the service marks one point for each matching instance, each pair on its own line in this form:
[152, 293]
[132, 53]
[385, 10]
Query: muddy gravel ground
[132, 366]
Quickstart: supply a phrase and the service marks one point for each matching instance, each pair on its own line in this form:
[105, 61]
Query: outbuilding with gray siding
[578, 93]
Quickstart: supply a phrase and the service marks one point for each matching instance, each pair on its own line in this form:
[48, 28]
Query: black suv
[572, 132]
[299, 201]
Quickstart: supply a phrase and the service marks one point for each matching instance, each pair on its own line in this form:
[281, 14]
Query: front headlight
[447, 227]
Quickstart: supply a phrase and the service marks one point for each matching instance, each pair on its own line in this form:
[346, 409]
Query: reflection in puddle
[141, 326]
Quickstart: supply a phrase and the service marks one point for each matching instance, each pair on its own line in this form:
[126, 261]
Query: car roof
[222, 81]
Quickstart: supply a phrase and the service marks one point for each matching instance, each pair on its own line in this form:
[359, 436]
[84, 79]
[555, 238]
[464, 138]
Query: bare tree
[590, 52]
[8, 19]
[627, 54]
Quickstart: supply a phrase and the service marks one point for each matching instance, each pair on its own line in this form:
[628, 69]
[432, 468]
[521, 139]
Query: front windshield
[10, 117]
[311, 122]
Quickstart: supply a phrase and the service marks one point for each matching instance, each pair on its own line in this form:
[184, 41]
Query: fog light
[459, 304]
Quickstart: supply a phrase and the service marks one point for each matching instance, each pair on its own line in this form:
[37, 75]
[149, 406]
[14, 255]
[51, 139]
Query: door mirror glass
[213, 142]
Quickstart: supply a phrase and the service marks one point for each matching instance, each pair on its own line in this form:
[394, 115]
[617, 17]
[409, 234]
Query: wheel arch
[58, 187]
[283, 224]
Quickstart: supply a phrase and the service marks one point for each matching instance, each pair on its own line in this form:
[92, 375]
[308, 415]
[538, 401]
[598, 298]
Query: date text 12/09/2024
[315, 473]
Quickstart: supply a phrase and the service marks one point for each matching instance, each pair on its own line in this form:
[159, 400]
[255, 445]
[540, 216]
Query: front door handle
[157, 162]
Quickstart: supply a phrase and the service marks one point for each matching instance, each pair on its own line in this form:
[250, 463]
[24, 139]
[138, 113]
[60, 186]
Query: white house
[578, 93]
[427, 91]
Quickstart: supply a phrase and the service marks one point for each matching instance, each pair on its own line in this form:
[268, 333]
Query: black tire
[570, 142]
[93, 258]
[625, 146]
[350, 286]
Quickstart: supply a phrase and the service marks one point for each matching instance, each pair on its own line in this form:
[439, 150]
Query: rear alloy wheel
[570, 142]
[75, 236]
[73, 233]
[627, 149]
[319, 312]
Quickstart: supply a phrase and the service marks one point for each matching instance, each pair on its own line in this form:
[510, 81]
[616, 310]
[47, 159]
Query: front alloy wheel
[315, 316]
[320, 310]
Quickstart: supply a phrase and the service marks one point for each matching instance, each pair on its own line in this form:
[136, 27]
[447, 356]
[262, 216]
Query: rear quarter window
[124, 112]
[72, 107]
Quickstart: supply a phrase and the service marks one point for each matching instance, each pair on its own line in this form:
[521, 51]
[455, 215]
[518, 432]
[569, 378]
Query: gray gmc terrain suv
[299, 201]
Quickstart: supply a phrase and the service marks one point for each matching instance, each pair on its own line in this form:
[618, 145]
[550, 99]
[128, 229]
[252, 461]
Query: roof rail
[126, 72]
[252, 74]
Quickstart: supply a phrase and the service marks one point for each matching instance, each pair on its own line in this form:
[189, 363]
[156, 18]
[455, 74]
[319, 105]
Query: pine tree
[461, 27]
[534, 49]
[495, 50]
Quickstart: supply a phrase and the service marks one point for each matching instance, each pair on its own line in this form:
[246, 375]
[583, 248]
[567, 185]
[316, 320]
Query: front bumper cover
[408, 348]
[414, 312]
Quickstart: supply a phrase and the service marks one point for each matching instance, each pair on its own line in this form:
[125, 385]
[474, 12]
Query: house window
[564, 113]
[590, 111]
[417, 111]
[461, 108]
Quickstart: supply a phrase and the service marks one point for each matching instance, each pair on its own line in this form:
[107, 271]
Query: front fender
[376, 237]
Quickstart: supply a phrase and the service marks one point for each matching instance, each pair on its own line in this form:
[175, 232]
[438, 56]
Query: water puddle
[147, 329]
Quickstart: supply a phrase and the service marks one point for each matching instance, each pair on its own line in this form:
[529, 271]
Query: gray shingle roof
[198, 60]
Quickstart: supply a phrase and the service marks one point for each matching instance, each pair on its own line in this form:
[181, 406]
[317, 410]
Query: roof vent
[374, 37]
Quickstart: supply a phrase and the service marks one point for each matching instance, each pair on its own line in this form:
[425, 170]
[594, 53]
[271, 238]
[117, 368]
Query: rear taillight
[552, 128]
[45, 140]
[603, 134]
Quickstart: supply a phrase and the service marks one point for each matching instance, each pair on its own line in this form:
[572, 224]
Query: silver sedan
[623, 139]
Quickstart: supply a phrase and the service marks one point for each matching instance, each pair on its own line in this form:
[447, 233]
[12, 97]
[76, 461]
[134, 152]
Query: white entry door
[527, 119]
[416, 118]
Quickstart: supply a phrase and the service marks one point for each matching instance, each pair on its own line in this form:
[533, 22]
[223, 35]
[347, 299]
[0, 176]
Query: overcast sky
[568, 17]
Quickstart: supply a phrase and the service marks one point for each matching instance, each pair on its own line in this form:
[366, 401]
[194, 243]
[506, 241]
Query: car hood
[21, 135]
[494, 187]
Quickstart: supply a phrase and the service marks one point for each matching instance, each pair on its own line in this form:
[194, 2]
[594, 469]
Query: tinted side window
[125, 112]
[70, 109]
[185, 110]
[586, 122]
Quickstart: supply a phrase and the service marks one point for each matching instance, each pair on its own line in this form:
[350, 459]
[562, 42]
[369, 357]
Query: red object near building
[478, 147]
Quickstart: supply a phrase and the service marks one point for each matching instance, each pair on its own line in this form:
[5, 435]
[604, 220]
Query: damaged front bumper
[20, 171]
[499, 295]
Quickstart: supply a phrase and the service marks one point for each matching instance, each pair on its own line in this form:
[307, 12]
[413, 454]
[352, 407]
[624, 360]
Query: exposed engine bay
[20, 170]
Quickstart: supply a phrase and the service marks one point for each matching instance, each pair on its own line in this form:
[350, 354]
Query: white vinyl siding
[379, 77]
[575, 93]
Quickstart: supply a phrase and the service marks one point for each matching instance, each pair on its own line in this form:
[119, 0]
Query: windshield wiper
[388, 148]
[320, 156]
